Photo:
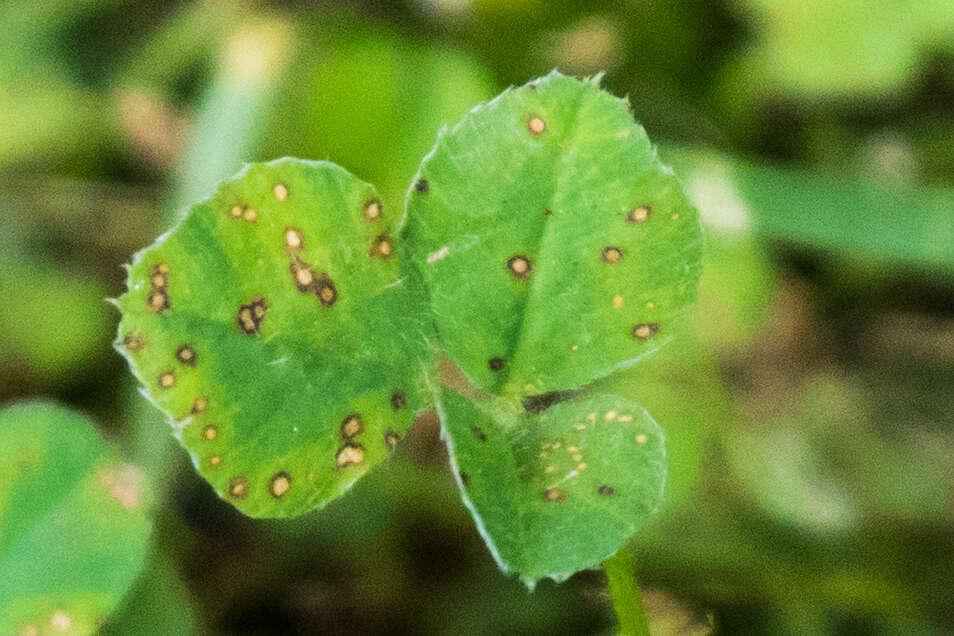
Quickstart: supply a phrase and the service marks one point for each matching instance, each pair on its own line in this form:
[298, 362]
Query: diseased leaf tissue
[290, 325]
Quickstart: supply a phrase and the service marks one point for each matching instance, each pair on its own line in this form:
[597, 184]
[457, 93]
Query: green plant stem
[624, 591]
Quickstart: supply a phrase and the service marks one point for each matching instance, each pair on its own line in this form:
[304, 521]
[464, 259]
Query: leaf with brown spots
[281, 324]
[555, 295]
[558, 491]
[74, 522]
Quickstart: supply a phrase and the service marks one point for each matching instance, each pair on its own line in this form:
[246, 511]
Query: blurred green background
[809, 404]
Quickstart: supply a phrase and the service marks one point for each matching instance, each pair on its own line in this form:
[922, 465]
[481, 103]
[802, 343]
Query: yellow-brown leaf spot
[549, 469]
[611, 255]
[610, 416]
[398, 400]
[210, 432]
[639, 214]
[519, 266]
[157, 301]
[215, 461]
[391, 439]
[279, 484]
[625, 418]
[238, 487]
[641, 438]
[350, 454]
[159, 275]
[372, 210]
[293, 239]
[581, 466]
[167, 379]
[351, 425]
[606, 491]
[133, 342]
[536, 125]
[61, 622]
[236, 212]
[381, 247]
[645, 330]
[249, 318]
[280, 191]
[554, 494]
[186, 355]
[577, 457]
[200, 405]
[250, 215]
[304, 277]
[617, 302]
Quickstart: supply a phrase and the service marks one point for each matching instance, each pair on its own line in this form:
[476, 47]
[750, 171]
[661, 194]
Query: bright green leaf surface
[554, 245]
[555, 492]
[274, 328]
[74, 526]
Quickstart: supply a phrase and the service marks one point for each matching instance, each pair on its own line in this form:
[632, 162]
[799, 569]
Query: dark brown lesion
[186, 355]
[611, 255]
[200, 405]
[422, 186]
[554, 494]
[250, 317]
[606, 491]
[157, 301]
[464, 478]
[352, 425]
[479, 433]
[496, 364]
[520, 266]
[326, 291]
[644, 330]
[398, 400]
[381, 247]
[159, 276]
[238, 487]
[391, 439]
[133, 342]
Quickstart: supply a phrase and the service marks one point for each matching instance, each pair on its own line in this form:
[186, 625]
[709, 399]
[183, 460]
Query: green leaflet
[555, 247]
[555, 492]
[74, 522]
[275, 329]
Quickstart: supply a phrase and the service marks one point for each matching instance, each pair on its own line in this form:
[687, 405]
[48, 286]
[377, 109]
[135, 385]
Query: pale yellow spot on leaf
[281, 191]
[617, 302]
[641, 439]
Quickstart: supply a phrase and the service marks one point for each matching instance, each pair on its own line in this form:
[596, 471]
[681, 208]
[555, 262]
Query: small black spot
[547, 212]
[519, 266]
[422, 186]
[391, 439]
[398, 400]
[611, 255]
[606, 491]
[238, 487]
[540, 403]
[645, 330]
[186, 355]
[464, 478]
[325, 290]
[351, 426]
[496, 364]
[479, 433]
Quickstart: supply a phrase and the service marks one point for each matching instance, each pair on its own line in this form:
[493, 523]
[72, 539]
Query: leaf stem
[624, 591]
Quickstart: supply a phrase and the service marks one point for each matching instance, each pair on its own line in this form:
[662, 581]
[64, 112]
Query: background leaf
[74, 522]
[554, 246]
[274, 329]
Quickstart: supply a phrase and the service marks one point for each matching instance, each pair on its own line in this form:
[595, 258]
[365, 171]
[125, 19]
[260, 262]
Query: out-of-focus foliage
[74, 522]
[807, 410]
